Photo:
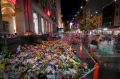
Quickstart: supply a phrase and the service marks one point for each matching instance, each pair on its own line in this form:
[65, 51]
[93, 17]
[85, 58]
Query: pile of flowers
[51, 60]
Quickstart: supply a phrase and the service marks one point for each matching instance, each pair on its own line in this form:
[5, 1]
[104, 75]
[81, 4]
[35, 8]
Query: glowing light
[96, 12]
[48, 13]
[62, 25]
[105, 28]
[71, 25]
[78, 12]
[75, 15]
[81, 7]
[12, 1]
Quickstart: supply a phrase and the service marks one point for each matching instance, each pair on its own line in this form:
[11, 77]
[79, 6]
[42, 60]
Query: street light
[81, 7]
[73, 18]
[91, 15]
[96, 12]
[75, 15]
[71, 25]
[78, 12]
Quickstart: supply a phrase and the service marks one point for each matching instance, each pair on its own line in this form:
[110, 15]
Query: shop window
[42, 24]
[35, 21]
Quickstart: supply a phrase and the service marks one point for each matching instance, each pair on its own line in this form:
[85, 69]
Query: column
[39, 24]
[35, 21]
[29, 16]
[44, 26]
[1, 24]
[12, 25]
[51, 28]
[20, 18]
[47, 26]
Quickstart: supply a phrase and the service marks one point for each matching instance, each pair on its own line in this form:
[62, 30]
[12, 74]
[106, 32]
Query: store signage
[48, 13]
[12, 1]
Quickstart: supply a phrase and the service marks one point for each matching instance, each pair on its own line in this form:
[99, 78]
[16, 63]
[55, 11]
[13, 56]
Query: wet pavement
[109, 68]
[109, 73]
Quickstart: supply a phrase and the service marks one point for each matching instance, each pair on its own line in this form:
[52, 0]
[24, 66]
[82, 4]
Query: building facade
[35, 16]
[108, 15]
[117, 14]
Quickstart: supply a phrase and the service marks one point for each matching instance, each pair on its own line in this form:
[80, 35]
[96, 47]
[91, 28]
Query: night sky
[70, 7]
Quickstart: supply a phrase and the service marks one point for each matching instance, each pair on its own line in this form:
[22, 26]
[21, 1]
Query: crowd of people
[104, 43]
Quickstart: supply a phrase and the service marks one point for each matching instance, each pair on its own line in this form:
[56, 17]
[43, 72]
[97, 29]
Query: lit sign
[12, 1]
[48, 13]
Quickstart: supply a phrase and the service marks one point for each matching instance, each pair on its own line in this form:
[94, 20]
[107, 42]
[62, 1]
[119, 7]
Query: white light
[71, 24]
[81, 7]
[115, 0]
[86, 0]
[78, 12]
[90, 33]
[75, 15]
[105, 28]
[96, 12]
[14, 25]
[35, 20]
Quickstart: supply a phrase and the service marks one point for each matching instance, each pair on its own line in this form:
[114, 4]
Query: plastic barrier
[90, 66]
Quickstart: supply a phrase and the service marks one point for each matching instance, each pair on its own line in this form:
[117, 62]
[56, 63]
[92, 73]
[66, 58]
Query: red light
[48, 13]
[12, 1]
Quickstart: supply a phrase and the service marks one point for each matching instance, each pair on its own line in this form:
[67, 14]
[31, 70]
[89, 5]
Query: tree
[87, 25]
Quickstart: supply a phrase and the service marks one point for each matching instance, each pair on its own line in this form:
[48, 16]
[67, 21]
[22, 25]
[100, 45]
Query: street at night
[59, 39]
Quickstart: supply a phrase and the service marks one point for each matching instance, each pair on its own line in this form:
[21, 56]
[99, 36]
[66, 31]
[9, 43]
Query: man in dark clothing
[95, 43]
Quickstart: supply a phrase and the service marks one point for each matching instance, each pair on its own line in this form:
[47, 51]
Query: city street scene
[59, 39]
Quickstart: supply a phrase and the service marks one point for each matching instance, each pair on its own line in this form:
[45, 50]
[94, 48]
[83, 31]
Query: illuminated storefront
[8, 16]
[42, 24]
[28, 16]
[35, 20]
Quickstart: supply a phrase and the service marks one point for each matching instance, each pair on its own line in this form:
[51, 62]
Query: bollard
[96, 71]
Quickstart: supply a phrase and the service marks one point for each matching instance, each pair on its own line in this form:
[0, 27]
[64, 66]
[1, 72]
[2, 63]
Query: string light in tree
[75, 15]
[78, 12]
[96, 12]
[73, 18]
